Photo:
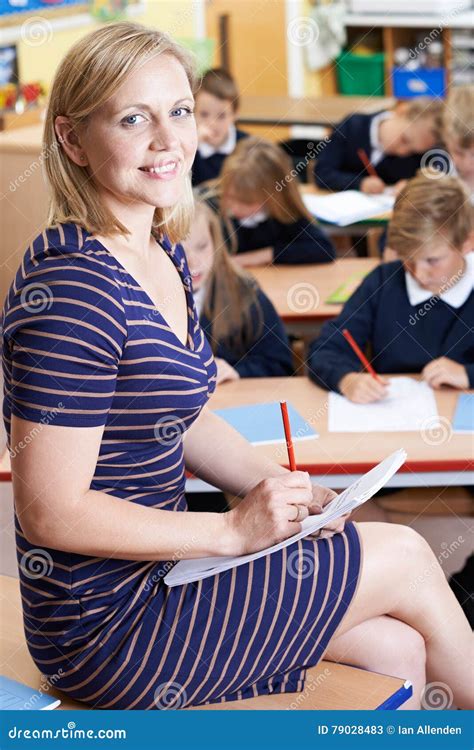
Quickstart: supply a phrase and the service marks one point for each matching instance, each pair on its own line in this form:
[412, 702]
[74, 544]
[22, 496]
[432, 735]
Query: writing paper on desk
[261, 424]
[348, 206]
[410, 406]
[463, 420]
[345, 290]
[188, 571]
[14, 696]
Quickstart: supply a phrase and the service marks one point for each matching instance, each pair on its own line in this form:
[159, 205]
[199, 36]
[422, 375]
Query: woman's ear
[69, 140]
[468, 245]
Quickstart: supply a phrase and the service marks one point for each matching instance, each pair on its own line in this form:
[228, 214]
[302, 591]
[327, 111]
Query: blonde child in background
[216, 107]
[458, 134]
[416, 313]
[246, 334]
[263, 215]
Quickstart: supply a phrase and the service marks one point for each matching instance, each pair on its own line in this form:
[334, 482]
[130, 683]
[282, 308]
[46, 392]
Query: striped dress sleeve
[64, 332]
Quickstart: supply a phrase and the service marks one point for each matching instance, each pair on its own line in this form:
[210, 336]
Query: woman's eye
[182, 112]
[131, 120]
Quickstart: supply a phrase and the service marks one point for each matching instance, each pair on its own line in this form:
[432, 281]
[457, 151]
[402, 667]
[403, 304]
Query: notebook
[409, 406]
[348, 206]
[14, 696]
[345, 290]
[187, 571]
[463, 420]
[262, 424]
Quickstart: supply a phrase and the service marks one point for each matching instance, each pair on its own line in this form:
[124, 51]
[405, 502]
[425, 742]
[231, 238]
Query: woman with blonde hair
[103, 348]
[264, 217]
[247, 336]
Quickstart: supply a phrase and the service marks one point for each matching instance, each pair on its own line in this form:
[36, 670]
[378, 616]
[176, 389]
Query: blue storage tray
[423, 82]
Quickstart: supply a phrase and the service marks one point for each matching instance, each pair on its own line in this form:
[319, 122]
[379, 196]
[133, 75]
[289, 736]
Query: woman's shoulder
[62, 261]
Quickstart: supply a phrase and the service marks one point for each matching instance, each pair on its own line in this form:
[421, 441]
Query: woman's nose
[164, 138]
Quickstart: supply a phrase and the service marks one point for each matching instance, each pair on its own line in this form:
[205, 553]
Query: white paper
[348, 206]
[187, 571]
[410, 406]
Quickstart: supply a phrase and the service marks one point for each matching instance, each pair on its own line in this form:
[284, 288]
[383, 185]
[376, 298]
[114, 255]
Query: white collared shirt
[254, 220]
[455, 295]
[377, 153]
[206, 150]
[199, 297]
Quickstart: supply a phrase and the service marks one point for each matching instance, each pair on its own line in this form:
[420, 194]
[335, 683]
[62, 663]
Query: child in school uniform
[247, 337]
[393, 141]
[415, 313]
[458, 134]
[216, 108]
[263, 215]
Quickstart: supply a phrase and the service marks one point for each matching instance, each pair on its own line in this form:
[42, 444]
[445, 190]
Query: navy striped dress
[84, 345]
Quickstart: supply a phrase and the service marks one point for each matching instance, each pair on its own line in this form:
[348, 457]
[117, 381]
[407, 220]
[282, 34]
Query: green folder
[345, 290]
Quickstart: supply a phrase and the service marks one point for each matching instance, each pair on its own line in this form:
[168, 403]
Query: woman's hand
[444, 371]
[271, 512]
[362, 388]
[321, 497]
[225, 371]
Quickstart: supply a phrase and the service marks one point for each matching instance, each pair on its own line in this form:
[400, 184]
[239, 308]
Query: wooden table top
[299, 292]
[308, 110]
[352, 453]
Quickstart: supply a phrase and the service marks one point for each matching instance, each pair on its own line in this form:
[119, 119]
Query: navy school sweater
[210, 168]
[339, 168]
[403, 338]
[300, 242]
[269, 355]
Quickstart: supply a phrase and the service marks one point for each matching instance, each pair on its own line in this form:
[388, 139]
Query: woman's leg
[401, 577]
[386, 645]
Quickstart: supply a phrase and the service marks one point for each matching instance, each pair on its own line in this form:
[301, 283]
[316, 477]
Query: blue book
[262, 424]
[463, 420]
[14, 696]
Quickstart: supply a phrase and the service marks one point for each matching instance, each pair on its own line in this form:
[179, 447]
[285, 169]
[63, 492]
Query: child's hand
[362, 388]
[372, 185]
[225, 371]
[444, 371]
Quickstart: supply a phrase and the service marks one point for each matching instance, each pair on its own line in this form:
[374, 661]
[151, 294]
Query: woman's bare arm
[56, 508]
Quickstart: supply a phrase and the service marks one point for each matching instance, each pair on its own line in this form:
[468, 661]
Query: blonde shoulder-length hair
[87, 76]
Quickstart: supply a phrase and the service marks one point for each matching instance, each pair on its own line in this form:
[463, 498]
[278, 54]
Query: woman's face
[199, 249]
[141, 143]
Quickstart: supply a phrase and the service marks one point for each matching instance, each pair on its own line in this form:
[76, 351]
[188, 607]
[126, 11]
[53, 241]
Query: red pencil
[360, 354]
[366, 162]
[289, 441]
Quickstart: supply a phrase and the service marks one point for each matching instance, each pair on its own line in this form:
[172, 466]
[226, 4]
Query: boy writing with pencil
[371, 152]
[416, 314]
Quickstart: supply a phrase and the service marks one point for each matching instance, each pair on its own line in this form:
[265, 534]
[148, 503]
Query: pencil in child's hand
[365, 362]
[289, 442]
[366, 162]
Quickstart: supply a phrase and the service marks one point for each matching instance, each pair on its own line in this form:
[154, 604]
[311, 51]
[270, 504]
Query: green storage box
[360, 74]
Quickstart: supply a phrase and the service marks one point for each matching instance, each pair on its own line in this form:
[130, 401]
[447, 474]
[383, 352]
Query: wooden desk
[337, 459]
[299, 292]
[324, 111]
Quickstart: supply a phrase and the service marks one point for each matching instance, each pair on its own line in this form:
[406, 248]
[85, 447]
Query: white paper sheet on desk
[409, 406]
[348, 206]
[187, 571]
